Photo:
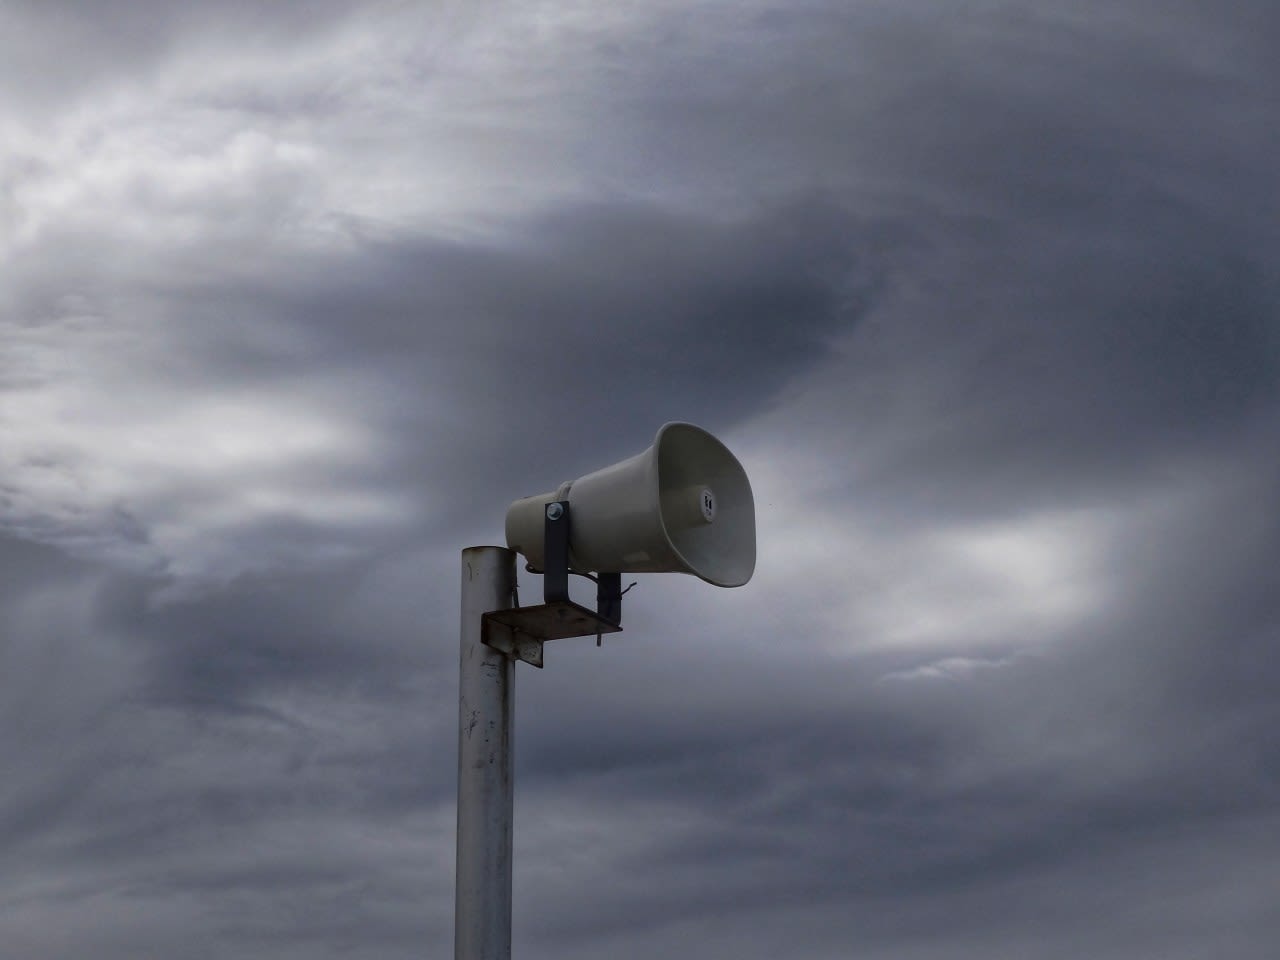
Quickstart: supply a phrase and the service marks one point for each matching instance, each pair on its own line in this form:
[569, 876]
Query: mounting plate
[520, 631]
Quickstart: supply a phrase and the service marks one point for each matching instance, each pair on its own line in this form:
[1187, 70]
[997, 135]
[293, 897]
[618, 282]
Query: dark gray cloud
[61, 51]
[623, 309]
[984, 297]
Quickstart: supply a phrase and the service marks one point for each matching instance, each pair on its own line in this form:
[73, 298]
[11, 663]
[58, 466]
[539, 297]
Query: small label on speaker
[707, 500]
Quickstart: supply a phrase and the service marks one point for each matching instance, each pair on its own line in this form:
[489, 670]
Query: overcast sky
[296, 297]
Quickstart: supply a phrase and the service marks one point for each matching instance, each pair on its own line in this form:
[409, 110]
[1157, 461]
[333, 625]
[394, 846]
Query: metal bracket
[609, 597]
[519, 632]
[509, 639]
[555, 549]
[555, 573]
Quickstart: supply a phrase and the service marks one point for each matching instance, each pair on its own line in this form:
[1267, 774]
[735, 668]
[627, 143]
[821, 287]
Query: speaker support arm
[609, 597]
[520, 632]
[555, 576]
[555, 566]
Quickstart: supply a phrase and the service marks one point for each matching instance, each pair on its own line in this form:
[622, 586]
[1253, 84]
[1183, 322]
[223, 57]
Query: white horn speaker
[684, 505]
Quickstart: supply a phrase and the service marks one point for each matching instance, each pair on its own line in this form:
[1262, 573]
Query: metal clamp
[520, 631]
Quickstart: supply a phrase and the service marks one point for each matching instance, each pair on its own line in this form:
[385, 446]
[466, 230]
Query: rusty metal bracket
[521, 631]
[555, 551]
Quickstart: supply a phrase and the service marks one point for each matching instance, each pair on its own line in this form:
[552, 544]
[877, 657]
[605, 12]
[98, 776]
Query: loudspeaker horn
[684, 505]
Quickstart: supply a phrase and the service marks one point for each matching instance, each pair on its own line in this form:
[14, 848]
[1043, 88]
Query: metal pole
[482, 910]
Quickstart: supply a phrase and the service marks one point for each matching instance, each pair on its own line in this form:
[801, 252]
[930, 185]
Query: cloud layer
[294, 299]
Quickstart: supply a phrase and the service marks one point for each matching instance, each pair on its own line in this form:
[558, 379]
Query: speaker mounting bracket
[519, 632]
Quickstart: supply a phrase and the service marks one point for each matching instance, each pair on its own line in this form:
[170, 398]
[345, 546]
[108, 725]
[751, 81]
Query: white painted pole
[482, 909]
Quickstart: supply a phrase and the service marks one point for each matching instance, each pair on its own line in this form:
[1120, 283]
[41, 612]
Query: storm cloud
[295, 298]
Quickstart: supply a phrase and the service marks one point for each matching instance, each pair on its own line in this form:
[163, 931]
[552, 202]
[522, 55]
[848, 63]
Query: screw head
[554, 511]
